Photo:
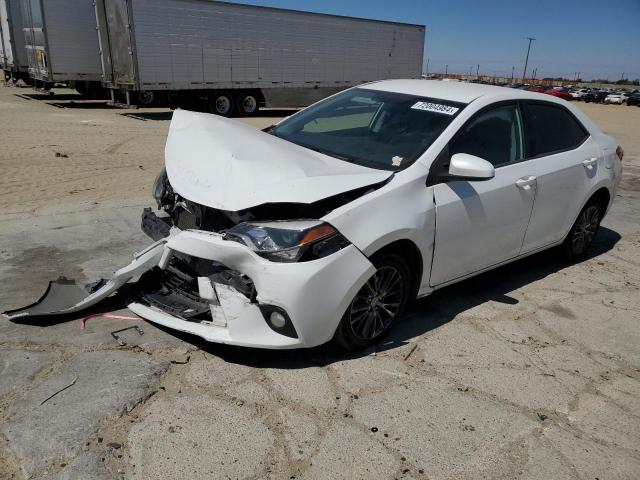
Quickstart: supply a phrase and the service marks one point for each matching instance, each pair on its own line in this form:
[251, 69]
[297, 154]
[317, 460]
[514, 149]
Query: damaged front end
[226, 268]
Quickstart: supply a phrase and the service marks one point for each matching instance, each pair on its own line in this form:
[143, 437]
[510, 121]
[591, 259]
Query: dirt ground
[531, 371]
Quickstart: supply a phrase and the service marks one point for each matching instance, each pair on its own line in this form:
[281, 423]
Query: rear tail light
[619, 152]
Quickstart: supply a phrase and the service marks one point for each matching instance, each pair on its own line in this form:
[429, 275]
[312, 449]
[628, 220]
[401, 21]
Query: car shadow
[423, 316]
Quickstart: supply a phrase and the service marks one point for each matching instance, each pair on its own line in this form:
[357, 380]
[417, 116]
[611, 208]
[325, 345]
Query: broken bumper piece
[199, 283]
[64, 296]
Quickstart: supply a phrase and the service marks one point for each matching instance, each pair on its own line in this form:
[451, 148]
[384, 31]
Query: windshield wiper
[329, 153]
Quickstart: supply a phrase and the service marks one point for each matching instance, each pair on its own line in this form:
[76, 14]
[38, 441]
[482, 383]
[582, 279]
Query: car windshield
[382, 130]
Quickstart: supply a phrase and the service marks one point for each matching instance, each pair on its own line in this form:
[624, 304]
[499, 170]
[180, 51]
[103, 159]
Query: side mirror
[470, 167]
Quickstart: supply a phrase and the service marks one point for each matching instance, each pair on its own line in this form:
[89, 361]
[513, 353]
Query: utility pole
[524, 74]
[427, 67]
[512, 69]
[446, 69]
[478, 71]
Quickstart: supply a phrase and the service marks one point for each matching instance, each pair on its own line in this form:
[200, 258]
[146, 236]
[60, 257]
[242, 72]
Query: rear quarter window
[551, 129]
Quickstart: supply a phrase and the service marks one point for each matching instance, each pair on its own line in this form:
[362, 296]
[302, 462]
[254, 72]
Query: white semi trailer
[13, 55]
[62, 44]
[237, 57]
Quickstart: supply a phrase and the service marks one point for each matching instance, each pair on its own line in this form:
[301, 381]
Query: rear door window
[551, 129]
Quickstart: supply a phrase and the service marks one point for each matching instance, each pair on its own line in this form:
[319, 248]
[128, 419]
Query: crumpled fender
[64, 296]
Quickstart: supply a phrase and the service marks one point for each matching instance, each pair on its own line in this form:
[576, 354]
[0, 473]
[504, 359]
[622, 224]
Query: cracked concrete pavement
[531, 371]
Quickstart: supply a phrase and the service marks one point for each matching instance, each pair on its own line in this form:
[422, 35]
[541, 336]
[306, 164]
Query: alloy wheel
[377, 303]
[586, 228]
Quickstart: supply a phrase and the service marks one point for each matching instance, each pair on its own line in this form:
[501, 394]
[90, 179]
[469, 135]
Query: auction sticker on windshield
[435, 107]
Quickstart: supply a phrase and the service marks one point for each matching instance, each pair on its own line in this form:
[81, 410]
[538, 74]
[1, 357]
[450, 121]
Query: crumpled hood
[229, 165]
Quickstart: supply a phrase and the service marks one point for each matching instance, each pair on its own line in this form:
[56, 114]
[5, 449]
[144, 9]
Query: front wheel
[584, 230]
[377, 305]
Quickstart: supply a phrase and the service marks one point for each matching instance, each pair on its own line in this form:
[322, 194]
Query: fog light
[277, 319]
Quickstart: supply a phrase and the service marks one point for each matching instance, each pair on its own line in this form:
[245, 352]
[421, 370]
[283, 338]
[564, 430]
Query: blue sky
[599, 39]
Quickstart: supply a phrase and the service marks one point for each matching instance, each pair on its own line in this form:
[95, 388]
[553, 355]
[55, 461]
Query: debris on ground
[59, 391]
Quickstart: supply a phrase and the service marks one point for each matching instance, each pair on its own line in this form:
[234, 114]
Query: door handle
[525, 183]
[589, 163]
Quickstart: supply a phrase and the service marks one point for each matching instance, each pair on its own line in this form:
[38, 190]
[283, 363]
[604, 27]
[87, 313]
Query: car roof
[448, 90]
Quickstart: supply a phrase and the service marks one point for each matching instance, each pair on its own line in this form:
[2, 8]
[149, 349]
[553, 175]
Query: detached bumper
[312, 296]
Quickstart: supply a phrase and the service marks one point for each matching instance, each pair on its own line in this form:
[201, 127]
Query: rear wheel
[221, 103]
[377, 305]
[584, 230]
[247, 104]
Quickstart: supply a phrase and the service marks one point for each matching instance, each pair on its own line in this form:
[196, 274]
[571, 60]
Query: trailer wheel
[145, 98]
[221, 104]
[247, 104]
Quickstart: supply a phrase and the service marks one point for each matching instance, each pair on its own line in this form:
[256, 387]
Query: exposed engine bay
[176, 211]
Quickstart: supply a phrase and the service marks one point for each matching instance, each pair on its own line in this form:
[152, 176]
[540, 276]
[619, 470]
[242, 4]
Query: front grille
[169, 291]
[175, 290]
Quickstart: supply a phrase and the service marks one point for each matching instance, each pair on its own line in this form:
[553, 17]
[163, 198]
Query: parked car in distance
[537, 89]
[617, 98]
[560, 94]
[634, 99]
[578, 94]
[326, 225]
[594, 96]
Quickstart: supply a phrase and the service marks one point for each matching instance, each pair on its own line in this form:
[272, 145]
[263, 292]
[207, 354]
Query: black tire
[368, 318]
[146, 98]
[221, 103]
[247, 104]
[584, 230]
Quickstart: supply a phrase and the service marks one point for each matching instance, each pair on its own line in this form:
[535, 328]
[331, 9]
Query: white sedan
[326, 225]
[616, 98]
[578, 94]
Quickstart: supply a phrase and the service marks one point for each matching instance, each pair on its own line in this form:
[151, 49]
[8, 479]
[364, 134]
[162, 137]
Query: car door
[482, 223]
[566, 160]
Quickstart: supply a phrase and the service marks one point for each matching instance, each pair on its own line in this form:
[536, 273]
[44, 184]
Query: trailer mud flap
[64, 296]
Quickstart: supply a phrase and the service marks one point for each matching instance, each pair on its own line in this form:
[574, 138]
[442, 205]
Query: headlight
[289, 241]
[162, 190]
